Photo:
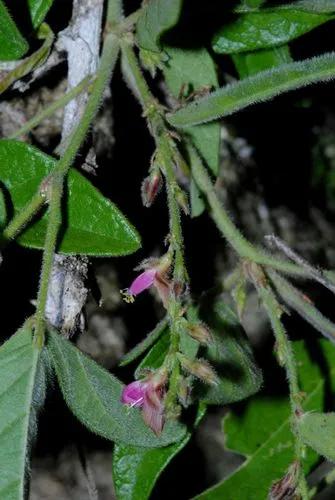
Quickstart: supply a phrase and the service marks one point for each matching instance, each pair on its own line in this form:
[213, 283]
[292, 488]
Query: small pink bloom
[148, 394]
[142, 282]
[133, 394]
[154, 274]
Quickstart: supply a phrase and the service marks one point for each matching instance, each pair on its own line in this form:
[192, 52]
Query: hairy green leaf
[230, 355]
[146, 343]
[182, 80]
[262, 432]
[22, 391]
[93, 225]
[38, 10]
[157, 17]
[94, 395]
[258, 88]
[265, 29]
[136, 470]
[318, 431]
[250, 63]
[12, 43]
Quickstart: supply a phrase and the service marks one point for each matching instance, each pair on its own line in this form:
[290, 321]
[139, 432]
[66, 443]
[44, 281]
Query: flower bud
[183, 201]
[199, 368]
[199, 332]
[286, 487]
[184, 391]
[151, 187]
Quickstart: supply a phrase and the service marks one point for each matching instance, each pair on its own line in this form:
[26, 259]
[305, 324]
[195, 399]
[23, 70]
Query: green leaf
[258, 88]
[12, 43]
[250, 63]
[94, 225]
[19, 404]
[38, 10]
[156, 355]
[157, 17]
[318, 431]
[94, 395]
[136, 470]
[230, 355]
[262, 432]
[145, 344]
[265, 29]
[179, 73]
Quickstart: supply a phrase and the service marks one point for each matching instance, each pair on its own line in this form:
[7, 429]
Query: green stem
[177, 241]
[50, 110]
[159, 131]
[239, 243]
[164, 157]
[18, 223]
[114, 12]
[107, 64]
[54, 223]
[286, 356]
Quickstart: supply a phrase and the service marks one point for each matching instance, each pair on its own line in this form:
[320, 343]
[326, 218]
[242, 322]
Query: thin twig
[317, 274]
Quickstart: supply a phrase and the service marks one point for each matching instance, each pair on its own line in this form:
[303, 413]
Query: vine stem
[287, 359]
[165, 158]
[152, 112]
[107, 63]
[50, 110]
[22, 218]
[226, 226]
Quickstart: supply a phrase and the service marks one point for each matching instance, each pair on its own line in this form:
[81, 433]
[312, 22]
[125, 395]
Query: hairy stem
[19, 222]
[286, 357]
[159, 131]
[107, 64]
[54, 223]
[50, 110]
[164, 157]
[240, 244]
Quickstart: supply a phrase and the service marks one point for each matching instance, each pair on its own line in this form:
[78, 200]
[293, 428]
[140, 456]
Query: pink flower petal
[133, 394]
[153, 411]
[142, 282]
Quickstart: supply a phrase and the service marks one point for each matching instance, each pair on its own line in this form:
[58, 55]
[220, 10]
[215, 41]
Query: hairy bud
[151, 187]
[199, 368]
[199, 332]
[286, 487]
[183, 201]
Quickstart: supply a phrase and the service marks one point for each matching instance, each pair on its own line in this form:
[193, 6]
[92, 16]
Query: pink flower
[148, 394]
[154, 274]
[142, 282]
